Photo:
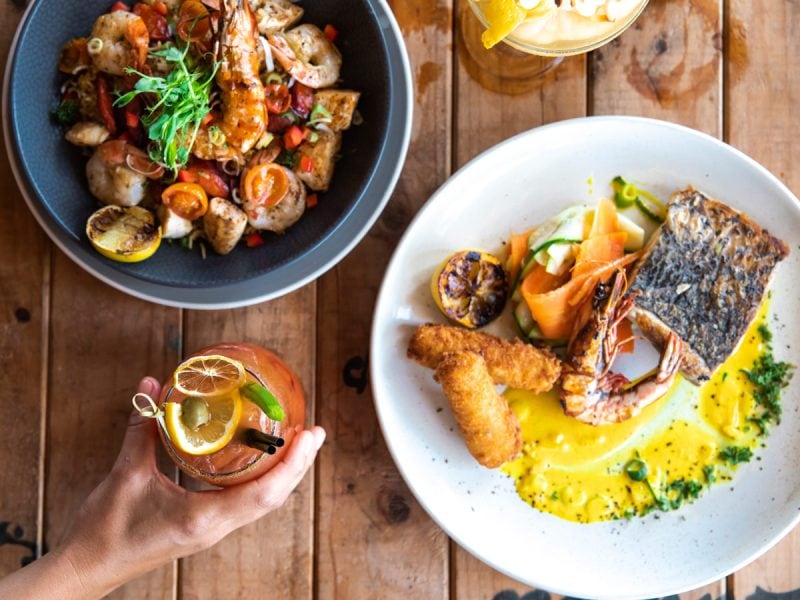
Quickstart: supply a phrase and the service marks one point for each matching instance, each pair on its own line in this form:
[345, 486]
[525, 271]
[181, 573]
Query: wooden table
[72, 348]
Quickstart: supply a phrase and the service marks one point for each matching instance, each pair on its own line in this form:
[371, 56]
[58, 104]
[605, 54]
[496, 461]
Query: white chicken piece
[323, 158]
[87, 133]
[173, 226]
[111, 181]
[275, 15]
[288, 211]
[341, 104]
[224, 224]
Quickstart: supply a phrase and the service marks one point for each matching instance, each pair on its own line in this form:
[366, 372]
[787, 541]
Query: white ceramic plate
[514, 186]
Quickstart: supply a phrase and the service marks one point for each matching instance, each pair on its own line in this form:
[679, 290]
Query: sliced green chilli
[264, 399]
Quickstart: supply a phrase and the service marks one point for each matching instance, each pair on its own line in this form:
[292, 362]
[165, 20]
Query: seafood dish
[583, 287]
[222, 119]
[703, 278]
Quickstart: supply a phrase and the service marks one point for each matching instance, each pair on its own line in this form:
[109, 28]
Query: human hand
[138, 519]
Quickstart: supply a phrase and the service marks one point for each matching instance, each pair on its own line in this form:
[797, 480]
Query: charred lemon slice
[125, 234]
[470, 288]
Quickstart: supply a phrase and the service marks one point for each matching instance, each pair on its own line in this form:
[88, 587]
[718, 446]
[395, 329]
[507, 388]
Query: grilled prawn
[589, 391]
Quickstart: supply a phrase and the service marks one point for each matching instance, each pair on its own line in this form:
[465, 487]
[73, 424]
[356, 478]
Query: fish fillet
[703, 275]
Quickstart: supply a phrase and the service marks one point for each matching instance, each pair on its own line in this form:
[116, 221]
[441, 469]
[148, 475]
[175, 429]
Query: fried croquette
[490, 428]
[512, 363]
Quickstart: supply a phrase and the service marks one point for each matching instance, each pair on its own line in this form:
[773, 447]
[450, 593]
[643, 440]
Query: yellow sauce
[577, 472]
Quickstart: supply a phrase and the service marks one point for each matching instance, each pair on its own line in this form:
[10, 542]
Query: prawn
[119, 40]
[307, 55]
[589, 391]
[244, 111]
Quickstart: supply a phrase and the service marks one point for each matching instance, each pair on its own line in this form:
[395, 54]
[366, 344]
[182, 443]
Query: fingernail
[147, 386]
[319, 440]
[308, 443]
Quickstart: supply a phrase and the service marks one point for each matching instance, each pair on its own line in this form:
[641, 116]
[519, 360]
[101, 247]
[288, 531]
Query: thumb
[139, 445]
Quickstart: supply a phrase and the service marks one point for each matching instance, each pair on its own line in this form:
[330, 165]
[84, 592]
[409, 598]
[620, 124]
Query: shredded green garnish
[67, 112]
[735, 455]
[181, 104]
[627, 194]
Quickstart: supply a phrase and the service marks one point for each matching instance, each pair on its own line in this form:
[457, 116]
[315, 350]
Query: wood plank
[274, 553]
[668, 65]
[24, 300]
[101, 343]
[762, 119]
[375, 541]
[490, 110]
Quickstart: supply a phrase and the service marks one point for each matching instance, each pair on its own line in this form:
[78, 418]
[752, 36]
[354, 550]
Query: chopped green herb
[287, 159]
[554, 496]
[67, 112]
[710, 474]
[264, 399]
[724, 376]
[735, 455]
[768, 377]
[680, 491]
[181, 102]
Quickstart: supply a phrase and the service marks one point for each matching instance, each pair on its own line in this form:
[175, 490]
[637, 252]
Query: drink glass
[536, 46]
[244, 459]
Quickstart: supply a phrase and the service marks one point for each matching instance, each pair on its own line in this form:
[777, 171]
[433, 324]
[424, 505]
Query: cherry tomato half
[265, 184]
[187, 200]
[194, 23]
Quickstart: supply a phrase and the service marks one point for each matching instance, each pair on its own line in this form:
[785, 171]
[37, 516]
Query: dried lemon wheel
[470, 288]
[125, 234]
[212, 375]
[203, 425]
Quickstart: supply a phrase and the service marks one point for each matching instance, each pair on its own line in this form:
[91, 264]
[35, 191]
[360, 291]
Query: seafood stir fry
[222, 118]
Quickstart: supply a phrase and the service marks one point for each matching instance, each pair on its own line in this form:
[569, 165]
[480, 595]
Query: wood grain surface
[353, 530]
[24, 315]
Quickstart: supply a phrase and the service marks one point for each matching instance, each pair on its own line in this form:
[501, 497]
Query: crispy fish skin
[512, 363]
[703, 275]
[490, 428]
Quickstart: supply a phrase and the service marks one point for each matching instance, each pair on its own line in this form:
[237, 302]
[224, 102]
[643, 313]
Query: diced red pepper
[302, 99]
[161, 8]
[330, 32]
[254, 240]
[156, 23]
[131, 119]
[312, 201]
[120, 6]
[293, 137]
[105, 106]
[306, 164]
[185, 176]
[208, 118]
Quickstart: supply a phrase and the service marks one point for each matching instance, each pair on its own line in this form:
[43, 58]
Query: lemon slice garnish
[214, 434]
[212, 375]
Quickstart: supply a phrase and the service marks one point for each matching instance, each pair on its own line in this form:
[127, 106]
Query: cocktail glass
[525, 56]
[259, 442]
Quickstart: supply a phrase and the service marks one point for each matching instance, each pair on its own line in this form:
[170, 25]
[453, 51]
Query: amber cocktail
[230, 430]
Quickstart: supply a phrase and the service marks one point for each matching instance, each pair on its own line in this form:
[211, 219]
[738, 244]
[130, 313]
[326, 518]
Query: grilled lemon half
[471, 288]
[125, 234]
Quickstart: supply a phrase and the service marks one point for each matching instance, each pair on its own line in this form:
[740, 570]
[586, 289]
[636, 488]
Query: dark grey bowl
[50, 172]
